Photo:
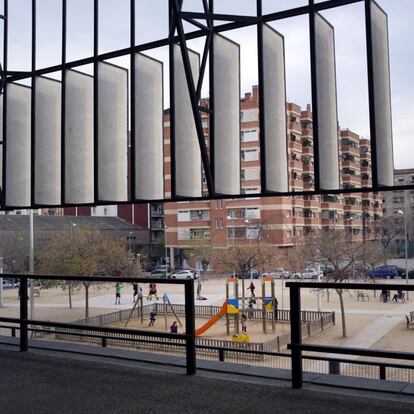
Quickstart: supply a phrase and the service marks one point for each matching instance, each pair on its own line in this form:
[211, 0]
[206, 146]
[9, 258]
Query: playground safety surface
[55, 382]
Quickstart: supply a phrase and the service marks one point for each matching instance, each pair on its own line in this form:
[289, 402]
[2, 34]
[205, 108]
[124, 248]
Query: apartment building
[400, 206]
[280, 221]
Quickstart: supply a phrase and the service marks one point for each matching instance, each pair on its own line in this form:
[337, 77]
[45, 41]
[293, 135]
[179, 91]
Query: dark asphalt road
[34, 383]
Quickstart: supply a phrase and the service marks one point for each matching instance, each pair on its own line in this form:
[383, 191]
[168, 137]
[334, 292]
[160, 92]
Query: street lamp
[233, 235]
[402, 212]
[165, 243]
[247, 223]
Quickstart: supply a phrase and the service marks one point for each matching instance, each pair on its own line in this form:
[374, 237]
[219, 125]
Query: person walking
[174, 327]
[152, 291]
[198, 290]
[118, 288]
[135, 287]
[153, 317]
[252, 288]
[244, 323]
[252, 303]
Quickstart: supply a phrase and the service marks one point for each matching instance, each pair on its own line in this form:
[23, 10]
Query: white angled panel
[18, 151]
[47, 141]
[382, 96]
[226, 116]
[275, 110]
[149, 179]
[79, 155]
[187, 150]
[112, 133]
[327, 104]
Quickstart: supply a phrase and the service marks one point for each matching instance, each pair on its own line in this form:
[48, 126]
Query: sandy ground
[217, 331]
[53, 305]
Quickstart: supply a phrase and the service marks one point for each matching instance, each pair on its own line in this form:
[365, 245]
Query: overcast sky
[152, 23]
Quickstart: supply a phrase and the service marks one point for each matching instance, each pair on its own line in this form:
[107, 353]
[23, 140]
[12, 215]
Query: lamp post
[233, 236]
[403, 212]
[31, 263]
[165, 244]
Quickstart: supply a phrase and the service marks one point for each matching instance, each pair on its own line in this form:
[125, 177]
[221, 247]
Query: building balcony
[295, 145]
[353, 208]
[334, 223]
[354, 165]
[296, 165]
[295, 127]
[295, 183]
[313, 221]
[307, 150]
[353, 223]
[299, 221]
[351, 179]
[307, 133]
[313, 204]
[366, 183]
[309, 185]
[308, 168]
[331, 206]
[349, 149]
[297, 202]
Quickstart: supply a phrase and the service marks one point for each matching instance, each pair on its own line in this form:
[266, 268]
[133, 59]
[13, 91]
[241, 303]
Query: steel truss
[178, 36]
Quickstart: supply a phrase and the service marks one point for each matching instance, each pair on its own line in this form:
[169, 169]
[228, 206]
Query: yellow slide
[213, 320]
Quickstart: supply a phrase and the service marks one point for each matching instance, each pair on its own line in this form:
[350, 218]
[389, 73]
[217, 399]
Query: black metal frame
[177, 36]
[188, 336]
[296, 346]
[187, 339]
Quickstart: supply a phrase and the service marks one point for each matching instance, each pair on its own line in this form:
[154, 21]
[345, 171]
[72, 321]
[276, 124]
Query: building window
[249, 135]
[249, 155]
[219, 223]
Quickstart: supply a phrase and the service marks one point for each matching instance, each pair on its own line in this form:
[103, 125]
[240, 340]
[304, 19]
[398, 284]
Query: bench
[362, 295]
[410, 320]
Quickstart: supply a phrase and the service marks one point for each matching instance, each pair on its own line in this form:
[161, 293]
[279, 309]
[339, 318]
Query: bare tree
[87, 253]
[346, 257]
[388, 228]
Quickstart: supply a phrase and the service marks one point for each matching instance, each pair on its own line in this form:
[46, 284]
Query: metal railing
[297, 347]
[296, 361]
[188, 338]
[379, 370]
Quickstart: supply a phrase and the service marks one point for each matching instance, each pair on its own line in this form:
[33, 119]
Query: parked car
[161, 273]
[400, 271]
[383, 272]
[308, 273]
[184, 274]
[7, 284]
[250, 275]
[326, 270]
[410, 274]
[277, 273]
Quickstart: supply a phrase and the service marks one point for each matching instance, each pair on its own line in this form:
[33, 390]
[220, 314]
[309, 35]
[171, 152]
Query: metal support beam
[194, 101]
[296, 337]
[190, 327]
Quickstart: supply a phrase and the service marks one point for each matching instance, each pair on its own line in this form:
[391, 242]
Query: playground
[367, 319]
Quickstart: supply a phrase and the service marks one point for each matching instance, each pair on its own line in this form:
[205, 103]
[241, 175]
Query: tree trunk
[86, 300]
[341, 303]
[70, 295]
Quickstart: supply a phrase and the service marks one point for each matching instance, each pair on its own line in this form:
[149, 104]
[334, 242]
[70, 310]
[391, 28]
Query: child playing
[153, 317]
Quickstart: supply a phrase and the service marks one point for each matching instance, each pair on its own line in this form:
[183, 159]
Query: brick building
[281, 221]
